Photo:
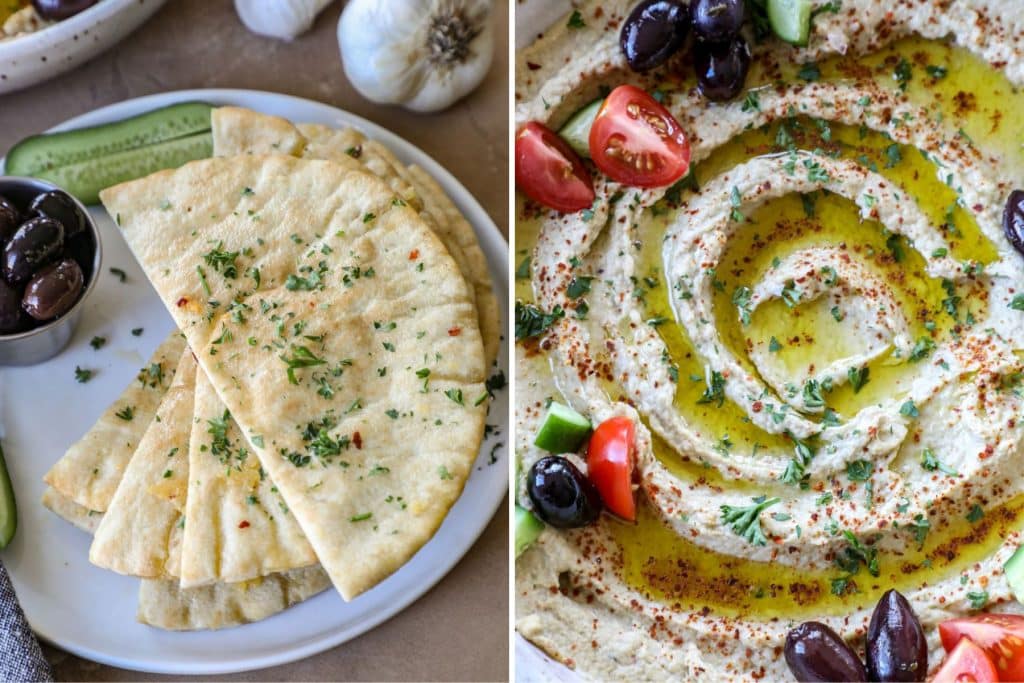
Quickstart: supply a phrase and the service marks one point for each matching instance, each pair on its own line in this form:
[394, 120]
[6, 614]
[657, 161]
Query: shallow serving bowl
[46, 341]
[35, 57]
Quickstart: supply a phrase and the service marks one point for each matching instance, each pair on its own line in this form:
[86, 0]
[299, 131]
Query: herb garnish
[301, 357]
[745, 521]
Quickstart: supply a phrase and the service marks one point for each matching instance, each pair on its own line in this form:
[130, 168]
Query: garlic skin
[421, 54]
[282, 19]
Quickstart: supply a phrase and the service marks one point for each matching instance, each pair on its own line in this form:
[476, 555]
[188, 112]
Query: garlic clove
[282, 19]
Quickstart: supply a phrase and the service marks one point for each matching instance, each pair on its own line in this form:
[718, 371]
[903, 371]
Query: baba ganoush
[819, 330]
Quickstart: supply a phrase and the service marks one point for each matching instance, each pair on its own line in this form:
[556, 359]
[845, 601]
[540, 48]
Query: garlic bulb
[421, 54]
[284, 19]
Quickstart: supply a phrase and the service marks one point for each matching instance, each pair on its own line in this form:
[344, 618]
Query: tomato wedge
[549, 172]
[967, 663]
[610, 462]
[636, 141]
[1001, 636]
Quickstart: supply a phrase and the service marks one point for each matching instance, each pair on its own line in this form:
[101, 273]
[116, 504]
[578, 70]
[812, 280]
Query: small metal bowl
[46, 341]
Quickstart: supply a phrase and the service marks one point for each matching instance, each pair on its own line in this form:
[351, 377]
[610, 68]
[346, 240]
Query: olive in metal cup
[41, 343]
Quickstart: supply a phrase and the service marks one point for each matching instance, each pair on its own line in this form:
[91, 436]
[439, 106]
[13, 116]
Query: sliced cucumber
[86, 178]
[528, 529]
[1014, 570]
[45, 152]
[8, 509]
[790, 20]
[576, 130]
[562, 430]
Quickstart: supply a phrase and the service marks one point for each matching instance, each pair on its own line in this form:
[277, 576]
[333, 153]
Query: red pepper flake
[244, 524]
[414, 254]
[182, 301]
[454, 331]
[357, 440]
[757, 406]
[532, 66]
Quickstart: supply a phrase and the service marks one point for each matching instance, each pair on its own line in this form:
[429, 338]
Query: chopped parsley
[858, 378]
[532, 321]
[222, 261]
[82, 376]
[745, 521]
[119, 274]
[301, 357]
[98, 342]
[126, 413]
[715, 392]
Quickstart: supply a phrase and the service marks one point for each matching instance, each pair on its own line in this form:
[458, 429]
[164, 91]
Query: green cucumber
[576, 130]
[52, 150]
[528, 528]
[86, 178]
[8, 510]
[562, 430]
[790, 20]
[1014, 571]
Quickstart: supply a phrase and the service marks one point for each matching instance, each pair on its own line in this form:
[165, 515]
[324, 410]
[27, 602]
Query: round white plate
[90, 611]
[35, 57]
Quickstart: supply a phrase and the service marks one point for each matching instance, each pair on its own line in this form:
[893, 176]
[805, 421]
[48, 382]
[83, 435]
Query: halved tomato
[967, 663]
[549, 172]
[610, 463]
[636, 141]
[1001, 636]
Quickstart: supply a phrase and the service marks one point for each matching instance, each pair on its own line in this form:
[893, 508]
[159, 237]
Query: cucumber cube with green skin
[8, 510]
[528, 529]
[1014, 570]
[790, 20]
[576, 130]
[563, 429]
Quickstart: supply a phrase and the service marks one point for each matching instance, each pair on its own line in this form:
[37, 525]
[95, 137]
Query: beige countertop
[459, 629]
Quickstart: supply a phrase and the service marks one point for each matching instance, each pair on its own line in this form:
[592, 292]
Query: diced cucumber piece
[528, 529]
[86, 178]
[40, 153]
[576, 131]
[8, 509]
[563, 429]
[1014, 570]
[790, 20]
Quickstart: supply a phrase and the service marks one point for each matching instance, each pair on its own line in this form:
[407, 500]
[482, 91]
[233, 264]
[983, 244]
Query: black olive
[814, 653]
[1013, 220]
[53, 290]
[60, 207]
[897, 649]
[653, 32]
[82, 248]
[561, 495]
[11, 317]
[10, 218]
[717, 21]
[36, 243]
[58, 10]
[721, 69]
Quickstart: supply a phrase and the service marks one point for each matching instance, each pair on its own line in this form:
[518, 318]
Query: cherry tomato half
[967, 663]
[1001, 636]
[610, 462]
[636, 141]
[549, 172]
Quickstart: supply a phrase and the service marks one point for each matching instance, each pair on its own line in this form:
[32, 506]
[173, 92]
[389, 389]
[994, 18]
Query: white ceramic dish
[91, 612]
[35, 57]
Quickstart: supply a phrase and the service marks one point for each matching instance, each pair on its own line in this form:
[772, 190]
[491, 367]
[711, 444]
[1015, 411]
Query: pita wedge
[90, 471]
[142, 524]
[239, 527]
[83, 518]
[338, 332]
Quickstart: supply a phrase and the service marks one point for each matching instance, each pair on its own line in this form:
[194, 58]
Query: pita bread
[288, 276]
[83, 518]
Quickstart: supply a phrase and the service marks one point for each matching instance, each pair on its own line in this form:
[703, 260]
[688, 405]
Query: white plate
[36, 57]
[90, 611]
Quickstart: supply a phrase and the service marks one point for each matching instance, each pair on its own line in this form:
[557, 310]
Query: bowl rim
[22, 45]
[97, 258]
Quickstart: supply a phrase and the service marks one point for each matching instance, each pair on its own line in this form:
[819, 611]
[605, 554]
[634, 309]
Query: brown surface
[458, 630]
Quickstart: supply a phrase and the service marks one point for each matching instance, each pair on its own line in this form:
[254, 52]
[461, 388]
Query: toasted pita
[373, 302]
[140, 528]
[90, 471]
[85, 519]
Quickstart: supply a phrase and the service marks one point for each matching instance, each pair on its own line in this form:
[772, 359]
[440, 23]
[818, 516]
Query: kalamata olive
[58, 10]
[1013, 220]
[60, 207]
[897, 649]
[53, 290]
[717, 21]
[9, 219]
[82, 248]
[653, 32]
[11, 316]
[814, 652]
[562, 496]
[721, 69]
[36, 243]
